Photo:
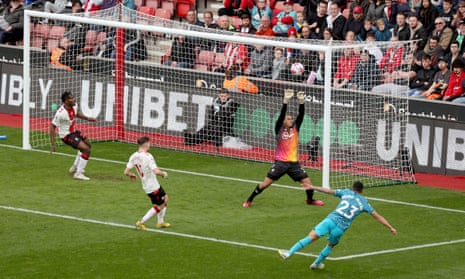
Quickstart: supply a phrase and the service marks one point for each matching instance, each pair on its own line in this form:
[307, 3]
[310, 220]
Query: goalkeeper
[287, 156]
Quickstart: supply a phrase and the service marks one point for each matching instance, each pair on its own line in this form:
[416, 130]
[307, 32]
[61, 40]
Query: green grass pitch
[55, 227]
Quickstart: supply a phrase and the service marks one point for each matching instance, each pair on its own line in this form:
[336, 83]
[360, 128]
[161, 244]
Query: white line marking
[217, 240]
[240, 243]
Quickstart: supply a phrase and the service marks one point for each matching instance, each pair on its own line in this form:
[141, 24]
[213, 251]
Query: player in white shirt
[65, 121]
[147, 169]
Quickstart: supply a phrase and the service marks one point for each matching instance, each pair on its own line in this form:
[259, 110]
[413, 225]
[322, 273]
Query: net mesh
[162, 78]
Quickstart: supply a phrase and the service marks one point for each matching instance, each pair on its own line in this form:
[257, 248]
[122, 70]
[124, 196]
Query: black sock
[255, 192]
[309, 194]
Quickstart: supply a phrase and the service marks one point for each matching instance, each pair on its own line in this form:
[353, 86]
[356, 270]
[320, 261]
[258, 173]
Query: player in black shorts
[287, 156]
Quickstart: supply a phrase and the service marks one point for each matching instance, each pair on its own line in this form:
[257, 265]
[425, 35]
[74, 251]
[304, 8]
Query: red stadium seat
[183, 6]
[139, 3]
[206, 58]
[162, 13]
[168, 5]
[152, 3]
[146, 10]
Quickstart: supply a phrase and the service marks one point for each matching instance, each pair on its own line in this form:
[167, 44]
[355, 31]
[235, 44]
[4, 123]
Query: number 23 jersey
[350, 206]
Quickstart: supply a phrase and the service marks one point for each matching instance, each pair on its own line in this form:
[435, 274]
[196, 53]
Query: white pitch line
[239, 243]
[113, 224]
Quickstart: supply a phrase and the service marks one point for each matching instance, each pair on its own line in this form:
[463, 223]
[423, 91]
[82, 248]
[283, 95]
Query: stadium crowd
[435, 70]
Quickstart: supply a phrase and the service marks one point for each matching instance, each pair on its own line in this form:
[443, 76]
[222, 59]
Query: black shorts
[158, 196]
[294, 170]
[73, 139]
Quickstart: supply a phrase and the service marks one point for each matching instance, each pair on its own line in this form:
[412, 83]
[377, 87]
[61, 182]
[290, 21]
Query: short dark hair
[142, 140]
[357, 186]
[66, 95]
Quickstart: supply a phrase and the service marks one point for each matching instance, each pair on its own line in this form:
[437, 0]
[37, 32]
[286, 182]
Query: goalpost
[362, 132]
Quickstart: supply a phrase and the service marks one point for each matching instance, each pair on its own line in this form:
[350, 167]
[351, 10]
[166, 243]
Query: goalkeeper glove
[301, 97]
[288, 94]
[164, 174]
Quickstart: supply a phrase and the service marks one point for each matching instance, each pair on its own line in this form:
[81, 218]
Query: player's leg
[333, 239]
[73, 168]
[320, 230]
[276, 172]
[297, 173]
[161, 215]
[84, 148]
[159, 201]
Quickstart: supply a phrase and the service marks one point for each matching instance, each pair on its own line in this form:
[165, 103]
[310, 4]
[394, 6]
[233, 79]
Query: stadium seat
[182, 7]
[168, 5]
[219, 60]
[152, 3]
[201, 67]
[146, 10]
[206, 58]
[162, 13]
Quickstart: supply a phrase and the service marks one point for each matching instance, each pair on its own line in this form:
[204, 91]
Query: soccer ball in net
[297, 69]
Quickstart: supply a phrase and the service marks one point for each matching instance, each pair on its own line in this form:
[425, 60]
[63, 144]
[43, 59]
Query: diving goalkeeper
[287, 155]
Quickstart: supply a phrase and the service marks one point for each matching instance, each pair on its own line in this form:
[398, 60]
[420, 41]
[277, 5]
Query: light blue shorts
[328, 227]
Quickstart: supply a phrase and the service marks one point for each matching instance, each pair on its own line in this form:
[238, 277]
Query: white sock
[161, 216]
[76, 160]
[82, 163]
[148, 215]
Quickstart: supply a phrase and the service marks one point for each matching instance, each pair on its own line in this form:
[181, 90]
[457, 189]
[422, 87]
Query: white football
[297, 68]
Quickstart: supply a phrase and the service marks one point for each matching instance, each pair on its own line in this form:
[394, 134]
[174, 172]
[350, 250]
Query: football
[297, 69]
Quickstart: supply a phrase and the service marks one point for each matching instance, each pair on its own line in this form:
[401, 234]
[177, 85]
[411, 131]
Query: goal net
[143, 75]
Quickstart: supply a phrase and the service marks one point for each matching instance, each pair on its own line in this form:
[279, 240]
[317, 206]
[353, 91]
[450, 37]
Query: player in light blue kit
[351, 205]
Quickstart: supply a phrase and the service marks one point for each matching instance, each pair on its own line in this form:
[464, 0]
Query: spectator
[208, 20]
[56, 6]
[455, 86]
[459, 36]
[454, 53]
[246, 23]
[232, 7]
[366, 74]
[61, 58]
[191, 18]
[279, 65]
[223, 23]
[366, 28]
[459, 15]
[390, 13]
[401, 30]
[259, 10]
[310, 8]
[260, 62]
[220, 121]
[423, 79]
[433, 49]
[235, 54]
[335, 21]
[92, 5]
[417, 31]
[182, 53]
[235, 82]
[306, 33]
[447, 13]
[372, 48]
[11, 27]
[284, 19]
[382, 34]
[364, 4]
[346, 65]
[318, 22]
[376, 11]
[391, 60]
[265, 28]
[355, 21]
[427, 15]
[440, 80]
[300, 22]
[443, 32]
